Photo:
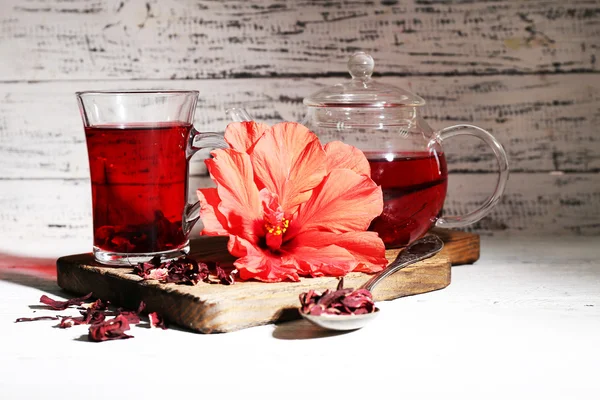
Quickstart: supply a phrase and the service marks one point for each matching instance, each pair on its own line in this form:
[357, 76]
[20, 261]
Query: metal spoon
[423, 248]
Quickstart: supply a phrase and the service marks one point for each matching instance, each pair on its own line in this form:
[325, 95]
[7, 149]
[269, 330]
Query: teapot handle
[237, 114]
[474, 216]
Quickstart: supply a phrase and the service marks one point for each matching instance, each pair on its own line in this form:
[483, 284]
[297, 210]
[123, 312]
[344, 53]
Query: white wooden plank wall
[525, 70]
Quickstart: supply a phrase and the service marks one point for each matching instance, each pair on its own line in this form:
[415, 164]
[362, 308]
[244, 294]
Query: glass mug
[139, 146]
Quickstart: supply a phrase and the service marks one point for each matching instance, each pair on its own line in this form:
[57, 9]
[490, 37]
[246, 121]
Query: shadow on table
[39, 273]
[302, 329]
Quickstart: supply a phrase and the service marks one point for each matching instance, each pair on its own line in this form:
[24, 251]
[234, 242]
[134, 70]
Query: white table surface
[523, 322]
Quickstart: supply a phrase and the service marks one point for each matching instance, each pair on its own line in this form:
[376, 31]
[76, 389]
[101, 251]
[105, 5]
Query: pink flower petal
[324, 261]
[341, 155]
[255, 263]
[240, 203]
[366, 247]
[344, 202]
[242, 136]
[289, 161]
[212, 219]
[272, 210]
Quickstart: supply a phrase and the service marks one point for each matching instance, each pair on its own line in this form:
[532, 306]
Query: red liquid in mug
[414, 188]
[139, 186]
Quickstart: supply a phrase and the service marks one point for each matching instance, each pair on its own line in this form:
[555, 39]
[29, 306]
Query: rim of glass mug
[135, 91]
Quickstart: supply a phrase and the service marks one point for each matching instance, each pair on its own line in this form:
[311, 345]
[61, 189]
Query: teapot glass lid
[362, 90]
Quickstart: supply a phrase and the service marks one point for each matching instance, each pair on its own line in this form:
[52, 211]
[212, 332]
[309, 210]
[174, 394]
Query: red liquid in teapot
[139, 186]
[414, 188]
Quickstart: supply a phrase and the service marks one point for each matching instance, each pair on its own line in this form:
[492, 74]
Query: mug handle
[198, 141]
[474, 216]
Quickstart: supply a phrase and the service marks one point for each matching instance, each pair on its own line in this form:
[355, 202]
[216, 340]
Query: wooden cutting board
[220, 308]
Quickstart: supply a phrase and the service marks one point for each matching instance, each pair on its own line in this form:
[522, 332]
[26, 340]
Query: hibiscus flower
[290, 206]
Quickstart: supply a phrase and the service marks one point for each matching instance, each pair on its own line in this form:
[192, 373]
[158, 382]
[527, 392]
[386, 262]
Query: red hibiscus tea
[139, 146]
[139, 186]
[414, 188]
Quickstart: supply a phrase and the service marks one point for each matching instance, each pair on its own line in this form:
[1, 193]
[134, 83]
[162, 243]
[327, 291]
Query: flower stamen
[278, 229]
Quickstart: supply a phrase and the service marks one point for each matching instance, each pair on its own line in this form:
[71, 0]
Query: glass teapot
[405, 154]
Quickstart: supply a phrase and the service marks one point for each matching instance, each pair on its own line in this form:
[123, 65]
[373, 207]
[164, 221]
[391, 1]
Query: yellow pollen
[277, 229]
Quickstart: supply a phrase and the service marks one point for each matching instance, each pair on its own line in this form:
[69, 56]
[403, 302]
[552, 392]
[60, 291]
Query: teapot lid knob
[361, 91]
[361, 65]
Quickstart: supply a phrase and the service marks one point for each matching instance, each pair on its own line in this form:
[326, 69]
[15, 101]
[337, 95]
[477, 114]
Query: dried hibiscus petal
[63, 305]
[143, 269]
[46, 318]
[99, 305]
[88, 317]
[158, 274]
[133, 317]
[186, 270]
[156, 321]
[110, 330]
[93, 316]
[338, 302]
[122, 244]
[67, 322]
[361, 301]
[224, 277]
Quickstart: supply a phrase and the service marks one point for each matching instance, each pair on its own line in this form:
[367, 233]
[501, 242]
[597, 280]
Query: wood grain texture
[47, 218]
[41, 135]
[220, 308]
[210, 308]
[460, 247]
[170, 39]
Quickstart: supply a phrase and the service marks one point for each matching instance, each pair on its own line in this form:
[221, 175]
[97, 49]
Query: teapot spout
[238, 114]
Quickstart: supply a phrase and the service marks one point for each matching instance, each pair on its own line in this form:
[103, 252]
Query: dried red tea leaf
[88, 317]
[359, 299]
[122, 244]
[315, 310]
[91, 316]
[110, 330]
[46, 318]
[337, 302]
[224, 277]
[133, 317]
[204, 271]
[186, 270]
[94, 313]
[157, 274]
[99, 305]
[156, 321]
[329, 297]
[143, 269]
[63, 305]
[104, 232]
[67, 322]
